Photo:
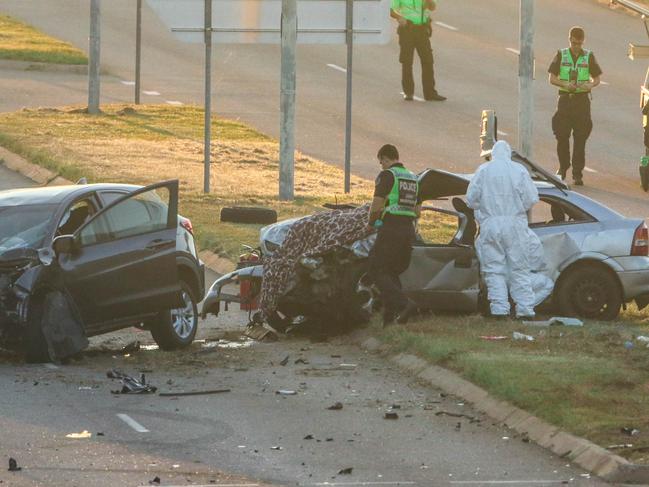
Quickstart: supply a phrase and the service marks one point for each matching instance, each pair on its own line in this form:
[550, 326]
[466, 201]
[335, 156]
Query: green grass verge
[582, 379]
[21, 42]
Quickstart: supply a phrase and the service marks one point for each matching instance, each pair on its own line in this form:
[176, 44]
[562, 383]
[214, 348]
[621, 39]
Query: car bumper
[216, 295]
[634, 278]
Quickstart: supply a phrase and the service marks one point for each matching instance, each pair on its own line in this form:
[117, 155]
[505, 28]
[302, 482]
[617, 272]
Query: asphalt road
[475, 67]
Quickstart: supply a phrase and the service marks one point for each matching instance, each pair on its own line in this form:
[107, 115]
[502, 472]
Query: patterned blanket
[309, 237]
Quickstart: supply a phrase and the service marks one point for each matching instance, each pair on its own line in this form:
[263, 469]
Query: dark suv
[78, 261]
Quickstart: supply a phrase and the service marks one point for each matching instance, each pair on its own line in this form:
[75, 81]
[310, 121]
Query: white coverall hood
[501, 192]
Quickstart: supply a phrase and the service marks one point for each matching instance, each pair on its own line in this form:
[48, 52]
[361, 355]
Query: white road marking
[51, 366]
[128, 83]
[605, 83]
[588, 169]
[175, 103]
[151, 93]
[504, 134]
[446, 26]
[132, 423]
[337, 68]
[515, 51]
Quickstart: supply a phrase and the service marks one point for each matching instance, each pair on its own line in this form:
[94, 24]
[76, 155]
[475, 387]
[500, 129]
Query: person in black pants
[394, 209]
[414, 33]
[576, 72]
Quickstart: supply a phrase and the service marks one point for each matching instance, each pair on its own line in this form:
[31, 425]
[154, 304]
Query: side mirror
[65, 244]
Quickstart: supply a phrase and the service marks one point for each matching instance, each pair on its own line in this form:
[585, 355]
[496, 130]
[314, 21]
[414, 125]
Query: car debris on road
[131, 385]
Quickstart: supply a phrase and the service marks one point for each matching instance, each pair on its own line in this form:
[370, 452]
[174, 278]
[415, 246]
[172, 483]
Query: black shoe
[407, 97]
[579, 182]
[436, 97]
[407, 312]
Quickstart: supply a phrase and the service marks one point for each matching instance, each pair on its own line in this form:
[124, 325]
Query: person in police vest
[395, 207]
[414, 32]
[576, 72]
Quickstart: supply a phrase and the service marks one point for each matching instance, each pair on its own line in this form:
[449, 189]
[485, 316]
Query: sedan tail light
[186, 223]
[640, 246]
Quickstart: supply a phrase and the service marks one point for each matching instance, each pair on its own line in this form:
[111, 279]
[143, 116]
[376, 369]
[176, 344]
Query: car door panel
[126, 264]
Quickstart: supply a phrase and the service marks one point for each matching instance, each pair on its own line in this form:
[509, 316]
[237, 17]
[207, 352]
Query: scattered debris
[155, 481]
[457, 415]
[395, 406]
[100, 433]
[301, 361]
[556, 321]
[618, 447]
[284, 361]
[630, 431]
[494, 338]
[336, 356]
[308, 437]
[260, 333]
[391, 415]
[193, 393]
[505, 438]
[336, 407]
[286, 392]
[346, 471]
[276, 448]
[13, 465]
[329, 439]
[131, 348]
[347, 366]
[521, 336]
[643, 339]
[458, 426]
[131, 385]
[628, 345]
[79, 436]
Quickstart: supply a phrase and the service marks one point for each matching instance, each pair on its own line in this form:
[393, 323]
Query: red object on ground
[249, 286]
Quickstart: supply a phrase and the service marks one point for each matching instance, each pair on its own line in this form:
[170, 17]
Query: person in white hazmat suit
[501, 192]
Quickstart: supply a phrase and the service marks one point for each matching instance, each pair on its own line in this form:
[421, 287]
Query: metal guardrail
[635, 6]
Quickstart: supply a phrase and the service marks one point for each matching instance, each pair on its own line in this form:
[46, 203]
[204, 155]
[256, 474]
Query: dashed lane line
[132, 423]
[127, 83]
[151, 93]
[500, 132]
[515, 51]
[588, 169]
[349, 484]
[175, 103]
[507, 482]
[337, 68]
[446, 26]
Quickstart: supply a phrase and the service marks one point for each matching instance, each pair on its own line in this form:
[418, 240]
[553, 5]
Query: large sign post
[271, 22]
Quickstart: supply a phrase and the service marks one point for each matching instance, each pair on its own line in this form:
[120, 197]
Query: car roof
[52, 195]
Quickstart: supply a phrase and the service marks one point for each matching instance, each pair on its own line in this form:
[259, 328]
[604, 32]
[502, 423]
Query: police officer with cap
[576, 72]
[394, 209]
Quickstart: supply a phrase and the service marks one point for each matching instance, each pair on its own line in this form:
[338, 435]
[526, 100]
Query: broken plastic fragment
[346, 471]
[13, 466]
[521, 336]
[391, 415]
[285, 392]
[84, 434]
[336, 407]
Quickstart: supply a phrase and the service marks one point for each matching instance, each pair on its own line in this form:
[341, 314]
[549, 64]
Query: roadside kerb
[582, 452]
[587, 455]
[10, 64]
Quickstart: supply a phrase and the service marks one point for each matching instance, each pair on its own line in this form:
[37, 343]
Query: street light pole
[138, 49]
[208, 96]
[526, 78]
[348, 117]
[287, 101]
[94, 56]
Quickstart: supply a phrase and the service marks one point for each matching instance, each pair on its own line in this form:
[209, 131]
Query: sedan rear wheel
[176, 328]
[590, 292]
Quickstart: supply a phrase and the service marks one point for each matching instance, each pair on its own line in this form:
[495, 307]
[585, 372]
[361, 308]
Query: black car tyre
[590, 292]
[176, 328]
[245, 214]
[34, 343]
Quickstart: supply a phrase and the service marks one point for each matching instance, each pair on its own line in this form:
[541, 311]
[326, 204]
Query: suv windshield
[24, 226]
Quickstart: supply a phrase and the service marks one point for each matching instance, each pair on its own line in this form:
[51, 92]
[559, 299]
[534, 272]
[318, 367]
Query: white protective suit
[501, 192]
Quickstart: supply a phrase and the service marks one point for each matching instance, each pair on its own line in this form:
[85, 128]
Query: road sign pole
[94, 55]
[348, 115]
[208, 95]
[526, 78]
[287, 101]
[138, 49]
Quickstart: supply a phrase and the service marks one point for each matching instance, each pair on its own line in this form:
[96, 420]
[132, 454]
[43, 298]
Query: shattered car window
[435, 228]
[24, 226]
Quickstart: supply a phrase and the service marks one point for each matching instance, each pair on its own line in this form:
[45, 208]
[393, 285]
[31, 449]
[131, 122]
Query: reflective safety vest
[578, 71]
[402, 199]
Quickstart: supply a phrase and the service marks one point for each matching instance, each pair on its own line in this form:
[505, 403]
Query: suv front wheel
[176, 328]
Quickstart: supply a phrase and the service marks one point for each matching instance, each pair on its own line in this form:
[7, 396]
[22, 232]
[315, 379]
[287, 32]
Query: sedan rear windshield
[24, 226]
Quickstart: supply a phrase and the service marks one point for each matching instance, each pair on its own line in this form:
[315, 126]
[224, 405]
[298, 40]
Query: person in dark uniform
[394, 209]
[576, 72]
[414, 35]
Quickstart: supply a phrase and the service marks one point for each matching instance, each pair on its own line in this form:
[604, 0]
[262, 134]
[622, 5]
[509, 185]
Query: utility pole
[94, 54]
[138, 49]
[348, 118]
[287, 101]
[208, 96]
[526, 79]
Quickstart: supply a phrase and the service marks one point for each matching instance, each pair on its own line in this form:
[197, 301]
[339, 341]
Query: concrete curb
[36, 173]
[579, 451]
[48, 67]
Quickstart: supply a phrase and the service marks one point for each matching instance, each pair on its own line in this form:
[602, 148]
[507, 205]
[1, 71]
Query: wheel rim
[183, 319]
[590, 298]
[366, 295]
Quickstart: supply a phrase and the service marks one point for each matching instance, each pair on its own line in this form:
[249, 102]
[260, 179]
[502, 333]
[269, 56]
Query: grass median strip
[582, 379]
[22, 42]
